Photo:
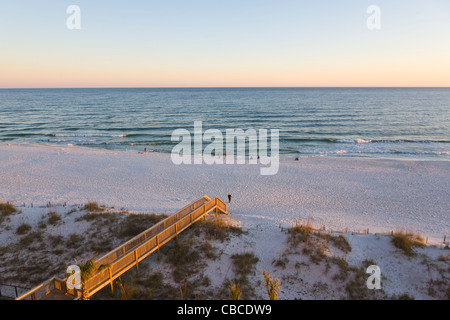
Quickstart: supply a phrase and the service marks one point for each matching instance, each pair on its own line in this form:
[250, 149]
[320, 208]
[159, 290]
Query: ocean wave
[357, 141]
[88, 135]
[362, 141]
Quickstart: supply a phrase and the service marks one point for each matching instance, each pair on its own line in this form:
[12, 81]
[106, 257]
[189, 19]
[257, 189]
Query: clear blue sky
[224, 43]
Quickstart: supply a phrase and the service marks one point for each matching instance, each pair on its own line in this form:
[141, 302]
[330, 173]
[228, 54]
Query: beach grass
[23, 228]
[53, 218]
[93, 207]
[406, 241]
[244, 265]
[217, 229]
[6, 210]
[235, 291]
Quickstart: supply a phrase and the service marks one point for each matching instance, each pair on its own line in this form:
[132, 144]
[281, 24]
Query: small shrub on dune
[406, 241]
[74, 241]
[235, 292]
[7, 209]
[272, 285]
[23, 228]
[342, 243]
[134, 224]
[53, 218]
[30, 238]
[404, 296]
[217, 229]
[93, 207]
[243, 265]
[300, 234]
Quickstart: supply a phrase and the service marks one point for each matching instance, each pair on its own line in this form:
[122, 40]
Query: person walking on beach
[229, 198]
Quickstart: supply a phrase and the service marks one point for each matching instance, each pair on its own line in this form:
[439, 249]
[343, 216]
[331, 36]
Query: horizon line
[225, 87]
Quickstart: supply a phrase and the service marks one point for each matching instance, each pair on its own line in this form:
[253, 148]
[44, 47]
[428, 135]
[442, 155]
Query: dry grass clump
[272, 285]
[183, 257]
[53, 218]
[23, 228]
[315, 243]
[134, 224]
[244, 264]
[7, 209]
[93, 207]
[406, 241]
[300, 233]
[235, 291]
[341, 243]
[217, 229]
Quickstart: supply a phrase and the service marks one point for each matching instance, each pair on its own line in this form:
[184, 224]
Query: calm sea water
[411, 123]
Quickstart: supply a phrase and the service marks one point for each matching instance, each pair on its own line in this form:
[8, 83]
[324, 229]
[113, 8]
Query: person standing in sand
[229, 198]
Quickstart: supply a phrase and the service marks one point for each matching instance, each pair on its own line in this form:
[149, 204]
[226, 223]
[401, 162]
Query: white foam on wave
[358, 141]
[90, 135]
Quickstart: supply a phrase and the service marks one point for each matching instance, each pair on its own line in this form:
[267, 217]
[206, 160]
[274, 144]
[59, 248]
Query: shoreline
[338, 193]
[281, 155]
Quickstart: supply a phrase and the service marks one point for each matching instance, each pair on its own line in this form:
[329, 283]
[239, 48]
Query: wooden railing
[129, 254]
[6, 290]
[47, 287]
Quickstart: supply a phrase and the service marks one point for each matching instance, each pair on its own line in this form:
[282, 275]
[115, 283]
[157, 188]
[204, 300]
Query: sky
[227, 43]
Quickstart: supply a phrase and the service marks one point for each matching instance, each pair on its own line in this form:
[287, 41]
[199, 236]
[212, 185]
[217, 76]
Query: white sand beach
[353, 195]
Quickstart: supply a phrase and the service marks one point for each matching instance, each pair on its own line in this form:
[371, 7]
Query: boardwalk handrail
[16, 290]
[45, 288]
[136, 249]
[160, 237]
[140, 238]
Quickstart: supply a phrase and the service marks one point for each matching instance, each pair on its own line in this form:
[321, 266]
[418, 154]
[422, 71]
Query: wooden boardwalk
[129, 254]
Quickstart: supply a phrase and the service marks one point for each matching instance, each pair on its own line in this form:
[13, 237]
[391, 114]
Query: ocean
[393, 123]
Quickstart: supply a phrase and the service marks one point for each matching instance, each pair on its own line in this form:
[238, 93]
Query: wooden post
[136, 258]
[111, 280]
[157, 243]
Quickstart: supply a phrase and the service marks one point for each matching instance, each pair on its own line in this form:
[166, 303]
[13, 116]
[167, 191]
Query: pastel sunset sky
[227, 43]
